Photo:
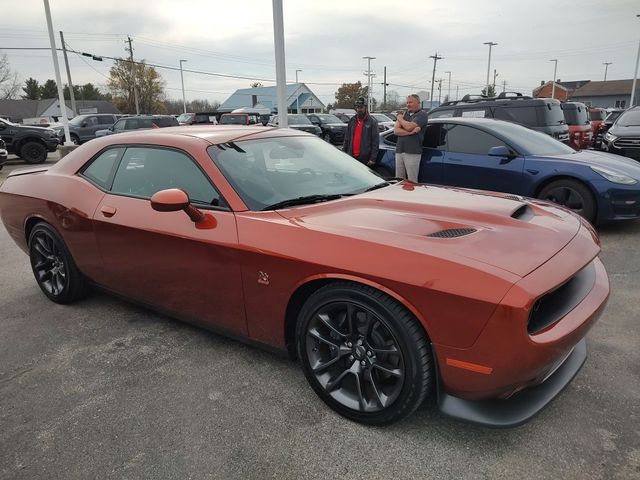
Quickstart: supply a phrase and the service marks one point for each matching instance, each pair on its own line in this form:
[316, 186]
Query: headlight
[614, 176]
[610, 137]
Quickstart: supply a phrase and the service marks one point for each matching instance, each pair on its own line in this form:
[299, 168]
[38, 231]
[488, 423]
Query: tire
[375, 368]
[33, 152]
[573, 195]
[74, 139]
[53, 267]
[327, 137]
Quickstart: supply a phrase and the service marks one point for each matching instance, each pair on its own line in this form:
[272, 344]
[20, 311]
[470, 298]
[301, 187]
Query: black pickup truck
[29, 143]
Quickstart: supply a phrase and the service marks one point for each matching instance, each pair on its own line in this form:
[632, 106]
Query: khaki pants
[408, 165]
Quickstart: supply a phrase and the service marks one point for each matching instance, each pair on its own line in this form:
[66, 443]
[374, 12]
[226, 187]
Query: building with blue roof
[300, 99]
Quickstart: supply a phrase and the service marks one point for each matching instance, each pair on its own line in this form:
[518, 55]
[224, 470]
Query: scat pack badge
[263, 278]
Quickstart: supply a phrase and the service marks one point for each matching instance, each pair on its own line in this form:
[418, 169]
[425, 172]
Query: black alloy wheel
[52, 265]
[327, 137]
[33, 152]
[364, 354]
[75, 139]
[573, 195]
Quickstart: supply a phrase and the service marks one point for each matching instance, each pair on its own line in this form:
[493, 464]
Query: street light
[491, 44]
[606, 67]
[297, 95]
[369, 75]
[553, 80]
[184, 102]
[635, 74]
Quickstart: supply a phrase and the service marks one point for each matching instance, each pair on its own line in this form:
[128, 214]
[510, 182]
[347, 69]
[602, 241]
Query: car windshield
[329, 119]
[381, 118]
[298, 120]
[550, 114]
[269, 171]
[185, 117]
[629, 118]
[530, 142]
[612, 117]
[575, 115]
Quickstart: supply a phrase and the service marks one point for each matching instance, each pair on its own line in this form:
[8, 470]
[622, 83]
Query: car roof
[215, 134]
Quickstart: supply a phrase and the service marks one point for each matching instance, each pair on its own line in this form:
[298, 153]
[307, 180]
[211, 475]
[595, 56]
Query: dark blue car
[494, 155]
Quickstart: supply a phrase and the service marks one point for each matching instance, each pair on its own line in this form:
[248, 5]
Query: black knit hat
[361, 102]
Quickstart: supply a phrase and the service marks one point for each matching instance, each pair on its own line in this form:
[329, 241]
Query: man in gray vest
[410, 127]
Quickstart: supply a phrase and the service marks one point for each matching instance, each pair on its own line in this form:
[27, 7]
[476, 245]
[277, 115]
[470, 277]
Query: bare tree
[9, 84]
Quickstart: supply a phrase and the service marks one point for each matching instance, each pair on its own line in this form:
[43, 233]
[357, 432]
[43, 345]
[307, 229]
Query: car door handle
[108, 211]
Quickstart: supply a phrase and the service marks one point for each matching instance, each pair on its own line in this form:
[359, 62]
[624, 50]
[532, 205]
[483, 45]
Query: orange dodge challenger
[387, 292]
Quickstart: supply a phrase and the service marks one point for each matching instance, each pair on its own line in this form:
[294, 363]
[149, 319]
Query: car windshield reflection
[269, 172]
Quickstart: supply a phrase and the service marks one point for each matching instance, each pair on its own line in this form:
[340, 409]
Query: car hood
[41, 130]
[619, 130]
[504, 231]
[622, 164]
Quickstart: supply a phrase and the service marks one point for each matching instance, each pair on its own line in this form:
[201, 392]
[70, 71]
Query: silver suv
[84, 127]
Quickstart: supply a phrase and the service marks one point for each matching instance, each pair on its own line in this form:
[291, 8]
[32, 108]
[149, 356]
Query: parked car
[333, 129]
[83, 128]
[612, 116]
[596, 116]
[344, 117]
[29, 143]
[138, 123]
[577, 118]
[205, 118]
[384, 122]
[298, 122]
[505, 157]
[3, 153]
[240, 119]
[280, 238]
[623, 137]
[186, 118]
[540, 114]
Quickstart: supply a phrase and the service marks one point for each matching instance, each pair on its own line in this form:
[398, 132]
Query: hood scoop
[452, 233]
[523, 212]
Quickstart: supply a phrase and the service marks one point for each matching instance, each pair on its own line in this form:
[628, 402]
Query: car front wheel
[571, 194]
[364, 354]
[33, 152]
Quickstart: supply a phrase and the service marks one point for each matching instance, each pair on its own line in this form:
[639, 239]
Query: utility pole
[384, 90]
[133, 77]
[369, 75]
[504, 85]
[439, 91]
[491, 44]
[433, 75]
[56, 68]
[495, 74]
[553, 84]
[297, 95]
[457, 87]
[184, 101]
[449, 87]
[66, 62]
[606, 67]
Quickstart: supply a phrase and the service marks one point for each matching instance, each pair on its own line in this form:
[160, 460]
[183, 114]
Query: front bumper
[507, 360]
[523, 406]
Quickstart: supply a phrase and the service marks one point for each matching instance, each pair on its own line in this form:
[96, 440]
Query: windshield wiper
[302, 201]
[375, 187]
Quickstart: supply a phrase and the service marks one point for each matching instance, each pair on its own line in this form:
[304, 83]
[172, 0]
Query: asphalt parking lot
[105, 389]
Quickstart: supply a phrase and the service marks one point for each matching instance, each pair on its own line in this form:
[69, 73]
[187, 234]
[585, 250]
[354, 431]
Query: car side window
[523, 115]
[100, 170]
[441, 114]
[91, 121]
[435, 137]
[119, 126]
[464, 139]
[105, 119]
[391, 139]
[144, 171]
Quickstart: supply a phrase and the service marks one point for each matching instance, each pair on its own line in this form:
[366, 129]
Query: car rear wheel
[327, 137]
[571, 194]
[33, 152]
[364, 354]
[53, 266]
[75, 139]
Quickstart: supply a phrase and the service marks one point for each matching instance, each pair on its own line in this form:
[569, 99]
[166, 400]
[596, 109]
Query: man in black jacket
[361, 139]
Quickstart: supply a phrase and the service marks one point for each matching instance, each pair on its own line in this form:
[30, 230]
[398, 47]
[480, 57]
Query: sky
[327, 39]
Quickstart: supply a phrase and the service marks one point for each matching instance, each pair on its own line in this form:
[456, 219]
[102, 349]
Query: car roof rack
[513, 96]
